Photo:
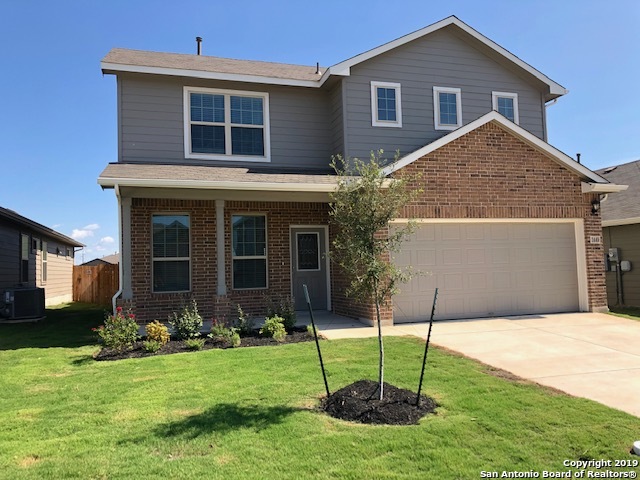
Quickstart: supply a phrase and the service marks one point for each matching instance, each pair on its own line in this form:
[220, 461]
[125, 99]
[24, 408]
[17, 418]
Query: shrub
[188, 323]
[282, 307]
[234, 338]
[218, 329]
[119, 331]
[194, 343]
[152, 346]
[157, 332]
[273, 327]
[310, 330]
[244, 324]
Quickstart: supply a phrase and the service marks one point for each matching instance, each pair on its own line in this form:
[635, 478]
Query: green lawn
[251, 413]
[627, 312]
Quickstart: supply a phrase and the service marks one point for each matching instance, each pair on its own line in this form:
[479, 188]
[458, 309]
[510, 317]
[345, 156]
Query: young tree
[363, 204]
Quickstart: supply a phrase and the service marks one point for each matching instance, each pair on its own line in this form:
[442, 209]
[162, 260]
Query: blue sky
[58, 113]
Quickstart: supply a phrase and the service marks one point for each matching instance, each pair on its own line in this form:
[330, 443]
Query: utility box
[614, 255]
[23, 303]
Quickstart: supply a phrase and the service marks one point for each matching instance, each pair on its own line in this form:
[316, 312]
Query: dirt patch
[359, 402]
[299, 334]
[28, 461]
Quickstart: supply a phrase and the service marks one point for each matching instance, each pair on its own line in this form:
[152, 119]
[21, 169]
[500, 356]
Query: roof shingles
[626, 204]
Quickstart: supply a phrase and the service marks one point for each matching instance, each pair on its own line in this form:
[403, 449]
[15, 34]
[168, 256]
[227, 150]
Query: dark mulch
[359, 402]
[299, 334]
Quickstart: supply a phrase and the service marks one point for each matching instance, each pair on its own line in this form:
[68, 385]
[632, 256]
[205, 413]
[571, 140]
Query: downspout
[120, 241]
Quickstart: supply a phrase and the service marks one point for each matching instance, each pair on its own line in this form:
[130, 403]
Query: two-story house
[223, 179]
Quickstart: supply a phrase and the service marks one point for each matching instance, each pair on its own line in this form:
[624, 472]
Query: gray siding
[624, 237]
[441, 59]
[152, 130]
[337, 125]
[9, 256]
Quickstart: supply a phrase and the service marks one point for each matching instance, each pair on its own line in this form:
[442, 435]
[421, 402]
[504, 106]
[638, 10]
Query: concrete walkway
[590, 355]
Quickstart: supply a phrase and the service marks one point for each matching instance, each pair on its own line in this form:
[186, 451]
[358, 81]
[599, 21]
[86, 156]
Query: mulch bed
[359, 402]
[299, 334]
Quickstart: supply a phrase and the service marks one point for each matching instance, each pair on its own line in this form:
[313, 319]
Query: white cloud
[85, 232]
[107, 240]
[92, 226]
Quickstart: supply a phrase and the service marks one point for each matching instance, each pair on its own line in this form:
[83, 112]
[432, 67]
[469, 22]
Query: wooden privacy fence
[95, 284]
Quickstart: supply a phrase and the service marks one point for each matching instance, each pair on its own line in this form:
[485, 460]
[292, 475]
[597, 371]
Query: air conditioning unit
[24, 303]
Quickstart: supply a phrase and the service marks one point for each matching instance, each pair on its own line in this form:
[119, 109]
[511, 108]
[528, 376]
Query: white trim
[319, 269]
[264, 257]
[327, 260]
[171, 259]
[602, 187]
[343, 68]
[519, 132]
[620, 222]
[436, 108]
[513, 96]
[228, 156]
[217, 185]
[580, 241]
[234, 77]
[44, 265]
[375, 122]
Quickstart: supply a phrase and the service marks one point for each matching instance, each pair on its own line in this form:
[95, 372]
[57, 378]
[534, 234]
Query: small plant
[194, 343]
[244, 324]
[233, 338]
[282, 307]
[273, 327]
[188, 323]
[119, 331]
[157, 332]
[310, 330]
[218, 329]
[151, 346]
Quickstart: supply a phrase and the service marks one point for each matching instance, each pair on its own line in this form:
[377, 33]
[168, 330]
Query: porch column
[125, 254]
[222, 285]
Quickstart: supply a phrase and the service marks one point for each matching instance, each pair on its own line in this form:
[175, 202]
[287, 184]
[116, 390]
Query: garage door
[488, 269]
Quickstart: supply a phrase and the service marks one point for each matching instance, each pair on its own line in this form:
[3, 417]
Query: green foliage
[218, 330]
[310, 330]
[188, 323]
[234, 338]
[282, 307]
[194, 343]
[362, 206]
[152, 346]
[119, 331]
[158, 332]
[274, 327]
[244, 324]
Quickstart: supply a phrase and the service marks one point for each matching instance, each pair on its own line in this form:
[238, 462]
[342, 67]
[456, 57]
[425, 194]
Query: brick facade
[488, 173]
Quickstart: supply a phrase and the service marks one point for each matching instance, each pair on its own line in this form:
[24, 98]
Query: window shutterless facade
[45, 262]
[506, 104]
[447, 108]
[24, 258]
[249, 251]
[226, 125]
[386, 104]
[171, 253]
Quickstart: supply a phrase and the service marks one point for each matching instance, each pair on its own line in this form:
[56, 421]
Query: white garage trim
[578, 223]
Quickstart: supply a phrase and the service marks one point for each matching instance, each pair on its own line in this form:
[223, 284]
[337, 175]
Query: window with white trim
[249, 251]
[506, 104]
[45, 262]
[386, 104]
[447, 108]
[171, 256]
[226, 125]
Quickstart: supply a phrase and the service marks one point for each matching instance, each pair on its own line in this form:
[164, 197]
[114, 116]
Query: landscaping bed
[297, 335]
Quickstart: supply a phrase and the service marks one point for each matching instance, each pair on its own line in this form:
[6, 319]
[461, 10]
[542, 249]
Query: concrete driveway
[591, 355]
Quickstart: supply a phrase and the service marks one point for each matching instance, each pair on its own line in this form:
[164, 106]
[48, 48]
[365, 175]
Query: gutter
[107, 182]
[120, 241]
[602, 187]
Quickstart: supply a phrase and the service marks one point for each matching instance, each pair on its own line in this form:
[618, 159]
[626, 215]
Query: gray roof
[202, 63]
[626, 204]
[24, 222]
[199, 174]
[112, 259]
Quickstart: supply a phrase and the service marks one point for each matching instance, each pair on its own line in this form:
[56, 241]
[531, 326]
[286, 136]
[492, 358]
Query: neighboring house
[223, 179]
[32, 255]
[113, 259]
[621, 230]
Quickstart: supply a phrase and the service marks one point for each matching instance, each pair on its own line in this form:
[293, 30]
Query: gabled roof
[622, 208]
[18, 219]
[553, 153]
[216, 68]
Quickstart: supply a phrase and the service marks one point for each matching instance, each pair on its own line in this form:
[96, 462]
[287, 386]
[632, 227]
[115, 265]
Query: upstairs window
[386, 104]
[506, 104]
[171, 253]
[226, 125]
[447, 108]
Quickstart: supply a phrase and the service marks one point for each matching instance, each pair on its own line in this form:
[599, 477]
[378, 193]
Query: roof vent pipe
[317, 68]
[199, 42]
[578, 157]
